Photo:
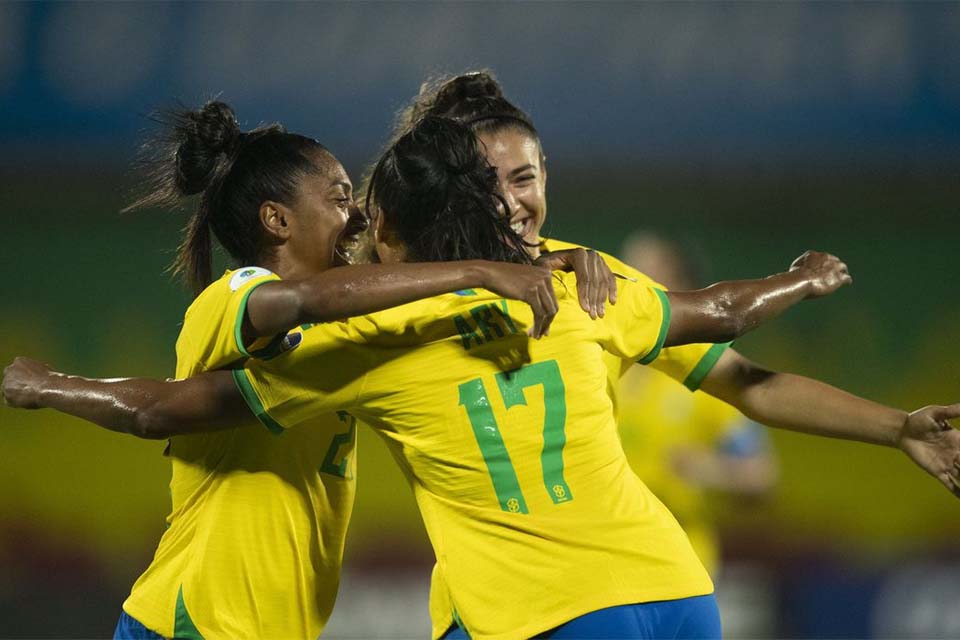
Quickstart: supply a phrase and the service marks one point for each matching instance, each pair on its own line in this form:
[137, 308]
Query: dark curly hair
[474, 98]
[436, 190]
[204, 152]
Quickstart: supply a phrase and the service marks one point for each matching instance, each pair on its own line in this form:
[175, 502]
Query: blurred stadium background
[749, 132]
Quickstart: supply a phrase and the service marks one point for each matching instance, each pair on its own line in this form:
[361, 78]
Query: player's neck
[288, 267]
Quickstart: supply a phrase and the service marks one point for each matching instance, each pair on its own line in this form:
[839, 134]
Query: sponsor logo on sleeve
[291, 341]
[241, 276]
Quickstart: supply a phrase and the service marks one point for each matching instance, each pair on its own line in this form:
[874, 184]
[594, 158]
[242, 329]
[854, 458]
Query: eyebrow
[521, 170]
[340, 183]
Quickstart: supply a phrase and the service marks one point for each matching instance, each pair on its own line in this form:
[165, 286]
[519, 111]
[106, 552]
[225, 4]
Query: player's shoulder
[421, 321]
[616, 265]
[233, 282]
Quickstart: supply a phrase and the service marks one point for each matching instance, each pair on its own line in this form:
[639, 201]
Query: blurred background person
[714, 122]
[687, 447]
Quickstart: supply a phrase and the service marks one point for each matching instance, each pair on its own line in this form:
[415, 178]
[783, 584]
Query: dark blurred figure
[686, 445]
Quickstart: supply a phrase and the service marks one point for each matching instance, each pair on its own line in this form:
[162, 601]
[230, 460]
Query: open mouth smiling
[354, 241]
[522, 226]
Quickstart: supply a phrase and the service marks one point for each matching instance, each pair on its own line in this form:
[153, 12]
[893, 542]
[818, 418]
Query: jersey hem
[250, 396]
[585, 607]
[143, 617]
[695, 378]
[664, 327]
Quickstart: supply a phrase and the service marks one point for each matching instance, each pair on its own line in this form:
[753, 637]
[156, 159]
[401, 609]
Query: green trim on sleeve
[241, 313]
[664, 326]
[253, 401]
[694, 380]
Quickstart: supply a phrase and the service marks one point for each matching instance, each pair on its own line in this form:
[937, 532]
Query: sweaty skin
[209, 402]
[719, 313]
[768, 397]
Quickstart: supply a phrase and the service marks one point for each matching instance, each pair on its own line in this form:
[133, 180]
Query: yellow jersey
[658, 420]
[687, 364]
[510, 446]
[254, 542]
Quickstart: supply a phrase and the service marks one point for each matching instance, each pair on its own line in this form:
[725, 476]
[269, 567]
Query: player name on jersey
[484, 323]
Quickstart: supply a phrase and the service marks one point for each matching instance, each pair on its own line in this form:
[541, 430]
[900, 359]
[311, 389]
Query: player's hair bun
[207, 138]
[468, 86]
[435, 154]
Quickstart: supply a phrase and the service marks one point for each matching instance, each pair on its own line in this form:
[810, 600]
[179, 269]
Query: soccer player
[512, 145]
[684, 445]
[510, 444]
[277, 202]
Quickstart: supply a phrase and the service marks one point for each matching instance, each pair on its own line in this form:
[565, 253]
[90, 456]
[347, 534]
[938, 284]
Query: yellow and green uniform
[658, 419]
[687, 364]
[510, 445]
[255, 537]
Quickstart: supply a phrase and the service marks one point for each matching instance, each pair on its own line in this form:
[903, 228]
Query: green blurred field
[84, 289]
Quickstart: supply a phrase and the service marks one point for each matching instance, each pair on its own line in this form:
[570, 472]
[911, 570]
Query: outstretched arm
[724, 311]
[797, 403]
[155, 409]
[142, 407]
[344, 292]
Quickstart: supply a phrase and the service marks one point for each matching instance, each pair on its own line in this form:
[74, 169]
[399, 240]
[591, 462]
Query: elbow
[756, 396]
[151, 423]
[747, 387]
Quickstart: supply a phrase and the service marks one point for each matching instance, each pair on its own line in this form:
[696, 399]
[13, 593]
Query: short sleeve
[325, 373]
[237, 311]
[688, 364]
[637, 325]
[211, 337]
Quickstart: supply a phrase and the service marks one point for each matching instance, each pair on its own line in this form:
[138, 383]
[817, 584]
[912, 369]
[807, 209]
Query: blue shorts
[129, 629]
[696, 618]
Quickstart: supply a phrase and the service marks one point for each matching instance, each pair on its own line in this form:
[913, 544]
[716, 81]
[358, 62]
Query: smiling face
[319, 214]
[517, 157]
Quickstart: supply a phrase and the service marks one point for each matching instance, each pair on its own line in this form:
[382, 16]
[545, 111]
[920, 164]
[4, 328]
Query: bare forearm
[725, 311]
[801, 404]
[144, 407]
[797, 403]
[115, 404]
[374, 287]
[356, 290]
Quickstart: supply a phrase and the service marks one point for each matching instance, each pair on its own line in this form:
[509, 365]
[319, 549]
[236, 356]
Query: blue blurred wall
[684, 82]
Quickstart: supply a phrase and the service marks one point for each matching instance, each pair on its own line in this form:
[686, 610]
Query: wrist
[44, 389]
[898, 433]
[477, 273]
[800, 278]
[555, 260]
